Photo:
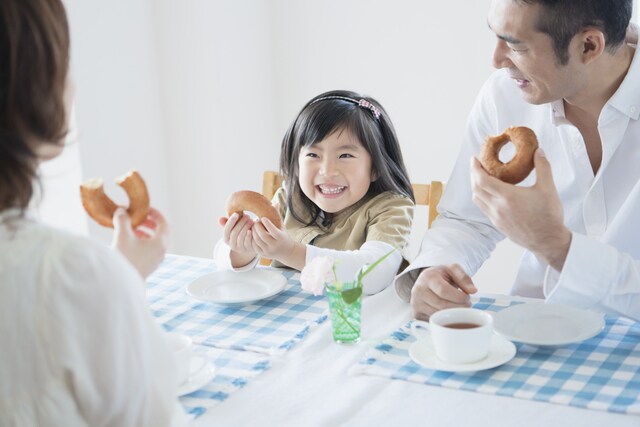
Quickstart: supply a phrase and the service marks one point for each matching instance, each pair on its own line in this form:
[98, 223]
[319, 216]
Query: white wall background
[197, 94]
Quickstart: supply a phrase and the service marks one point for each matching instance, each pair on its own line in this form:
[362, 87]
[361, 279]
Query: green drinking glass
[345, 309]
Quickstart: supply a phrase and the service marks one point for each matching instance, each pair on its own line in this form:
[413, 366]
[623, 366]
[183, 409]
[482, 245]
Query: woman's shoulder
[75, 256]
[67, 244]
[71, 273]
[81, 275]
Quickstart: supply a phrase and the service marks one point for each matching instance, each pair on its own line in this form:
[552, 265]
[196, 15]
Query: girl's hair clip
[363, 103]
[366, 104]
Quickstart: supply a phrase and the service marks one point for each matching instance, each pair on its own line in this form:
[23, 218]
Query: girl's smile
[329, 190]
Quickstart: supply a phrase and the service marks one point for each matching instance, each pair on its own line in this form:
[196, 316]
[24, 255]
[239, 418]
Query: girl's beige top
[386, 217]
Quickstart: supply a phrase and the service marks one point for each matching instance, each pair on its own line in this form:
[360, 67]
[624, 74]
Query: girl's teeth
[330, 190]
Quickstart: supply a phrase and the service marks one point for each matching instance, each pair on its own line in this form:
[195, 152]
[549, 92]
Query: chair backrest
[425, 194]
[271, 181]
[429, 195]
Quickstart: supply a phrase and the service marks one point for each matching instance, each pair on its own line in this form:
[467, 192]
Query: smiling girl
[345, 195]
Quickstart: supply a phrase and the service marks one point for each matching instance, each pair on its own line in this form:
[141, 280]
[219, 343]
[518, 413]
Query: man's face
[528, 54]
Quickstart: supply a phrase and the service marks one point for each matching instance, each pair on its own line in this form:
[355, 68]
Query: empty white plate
[201, 373]
[237, 288]
[538, 323]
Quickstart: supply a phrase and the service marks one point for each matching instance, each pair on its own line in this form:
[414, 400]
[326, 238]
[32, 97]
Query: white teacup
[181, 345]
[459, 335]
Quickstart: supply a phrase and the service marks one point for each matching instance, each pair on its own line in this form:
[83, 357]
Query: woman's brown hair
[34, 62]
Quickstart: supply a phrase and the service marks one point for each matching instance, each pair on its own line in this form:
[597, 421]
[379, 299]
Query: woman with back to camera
[79, 345]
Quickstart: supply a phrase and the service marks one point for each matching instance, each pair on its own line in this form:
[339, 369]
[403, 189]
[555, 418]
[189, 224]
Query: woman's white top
[79, 346]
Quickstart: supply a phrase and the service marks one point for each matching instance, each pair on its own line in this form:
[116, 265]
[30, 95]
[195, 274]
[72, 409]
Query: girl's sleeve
[349, 262]
[389, 221]
[222, 258]
[388, 230]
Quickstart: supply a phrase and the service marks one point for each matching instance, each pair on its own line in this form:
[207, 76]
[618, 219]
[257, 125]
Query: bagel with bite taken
[101, 208]
[521, 165]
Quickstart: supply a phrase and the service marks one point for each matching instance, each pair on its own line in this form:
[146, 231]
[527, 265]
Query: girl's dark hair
[340, 110]
[563, 19]
[34, 61]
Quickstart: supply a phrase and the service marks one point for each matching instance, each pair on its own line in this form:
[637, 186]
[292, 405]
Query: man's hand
[145, 246]
[440, 287]
[532, 217]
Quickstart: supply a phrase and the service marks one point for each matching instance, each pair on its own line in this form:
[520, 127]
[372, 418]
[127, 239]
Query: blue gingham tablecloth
[270, 326]
[233, 369]
[600, 373]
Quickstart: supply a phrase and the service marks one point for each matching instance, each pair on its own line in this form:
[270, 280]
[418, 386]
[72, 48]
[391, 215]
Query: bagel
[250, 201]
[101, 208]
[521, 165]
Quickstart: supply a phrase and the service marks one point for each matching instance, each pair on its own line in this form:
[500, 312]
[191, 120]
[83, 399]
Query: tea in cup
[458, 335]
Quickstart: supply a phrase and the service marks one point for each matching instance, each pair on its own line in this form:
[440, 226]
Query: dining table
[274, 363]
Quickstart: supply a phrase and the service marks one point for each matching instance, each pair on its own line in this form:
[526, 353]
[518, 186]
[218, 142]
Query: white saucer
[543, 324]
[237, 288]
[500, 352]
[200, 374]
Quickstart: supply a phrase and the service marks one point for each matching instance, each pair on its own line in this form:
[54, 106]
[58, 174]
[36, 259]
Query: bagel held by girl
[345, 195]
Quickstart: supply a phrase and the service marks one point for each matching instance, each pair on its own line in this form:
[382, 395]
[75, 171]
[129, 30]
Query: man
[566, 72]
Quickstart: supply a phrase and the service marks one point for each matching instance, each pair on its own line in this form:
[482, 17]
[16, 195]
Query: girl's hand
[145, 246]
[237, 235]
[272, 242]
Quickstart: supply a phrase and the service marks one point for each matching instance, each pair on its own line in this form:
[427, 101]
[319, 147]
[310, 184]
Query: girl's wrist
[296, 256]
[241, 259]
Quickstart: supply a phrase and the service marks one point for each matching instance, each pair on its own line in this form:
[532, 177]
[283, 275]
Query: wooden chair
[429, 195]
[425, 194]
[271, 181]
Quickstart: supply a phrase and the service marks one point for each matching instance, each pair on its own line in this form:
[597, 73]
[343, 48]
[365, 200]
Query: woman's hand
[145, 246]
[237, 235]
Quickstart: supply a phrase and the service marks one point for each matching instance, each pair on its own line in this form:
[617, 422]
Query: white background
[197, 96]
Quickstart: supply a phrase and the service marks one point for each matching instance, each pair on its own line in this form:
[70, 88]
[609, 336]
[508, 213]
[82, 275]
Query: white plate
[237, 288]
[500, 352]
[543, 324]
[200, 374]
